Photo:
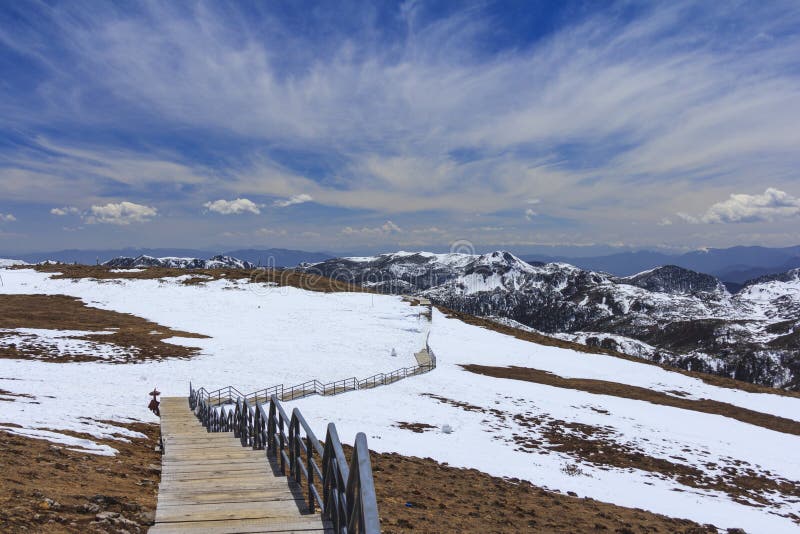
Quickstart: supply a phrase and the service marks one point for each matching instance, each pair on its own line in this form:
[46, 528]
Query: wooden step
[211, 484]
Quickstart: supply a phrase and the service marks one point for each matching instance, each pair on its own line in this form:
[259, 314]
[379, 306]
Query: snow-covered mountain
[217, 262]
[668, 314]
[11, 263]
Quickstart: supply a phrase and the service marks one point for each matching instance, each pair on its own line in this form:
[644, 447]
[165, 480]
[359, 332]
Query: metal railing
[344, 493]
[229, 394]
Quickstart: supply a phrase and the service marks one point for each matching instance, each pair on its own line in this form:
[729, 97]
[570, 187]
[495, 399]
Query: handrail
[229, 394]
[344, 493]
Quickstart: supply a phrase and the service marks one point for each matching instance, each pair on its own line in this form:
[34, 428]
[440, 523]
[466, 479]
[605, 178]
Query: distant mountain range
[272, 257]
[668, 314]
[216, 262]
[735, 265]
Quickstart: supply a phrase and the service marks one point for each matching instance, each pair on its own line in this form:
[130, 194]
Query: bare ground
[422, 495]
[139, 339]
[48, 488]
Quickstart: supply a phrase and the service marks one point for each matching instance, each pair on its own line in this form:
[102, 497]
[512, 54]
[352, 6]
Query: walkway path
[211, 484]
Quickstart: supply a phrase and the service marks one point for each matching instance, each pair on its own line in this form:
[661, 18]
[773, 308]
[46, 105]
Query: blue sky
[376, 126]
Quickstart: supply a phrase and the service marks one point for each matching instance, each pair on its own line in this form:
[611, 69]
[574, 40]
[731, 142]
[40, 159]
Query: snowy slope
[11, 263]
[264, 335]
[688, 319]
[484, 441]
[259, 336]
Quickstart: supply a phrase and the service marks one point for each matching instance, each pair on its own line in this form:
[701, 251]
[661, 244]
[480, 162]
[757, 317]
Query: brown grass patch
[422, 495]
[603, 387]
[142, 339]
[714, 380]
[47, 488]
[417, 428]
[4, 393]
[280, 277]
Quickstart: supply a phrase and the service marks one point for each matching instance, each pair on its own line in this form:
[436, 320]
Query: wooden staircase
[211, 484]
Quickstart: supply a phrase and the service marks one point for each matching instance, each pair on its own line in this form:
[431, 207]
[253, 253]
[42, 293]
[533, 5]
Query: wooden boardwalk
[211, 484]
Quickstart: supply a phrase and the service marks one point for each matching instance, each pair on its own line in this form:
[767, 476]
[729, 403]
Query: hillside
[668, 314]
[589, 425]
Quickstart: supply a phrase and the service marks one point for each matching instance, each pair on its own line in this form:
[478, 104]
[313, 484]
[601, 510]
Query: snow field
[259, 337]
[482, 441]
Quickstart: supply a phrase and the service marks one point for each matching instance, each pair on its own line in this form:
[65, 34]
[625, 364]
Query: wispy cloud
[294, 199]
[613, 117]
[7, 217]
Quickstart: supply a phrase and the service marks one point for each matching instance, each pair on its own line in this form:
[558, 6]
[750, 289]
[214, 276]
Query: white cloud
[122, 213]
[387, 228]
[233, 207]
[7, 217]
[270, 232]
[295, 199]
[772, 204]
[530, 214]
[665, 221]
[66, 210]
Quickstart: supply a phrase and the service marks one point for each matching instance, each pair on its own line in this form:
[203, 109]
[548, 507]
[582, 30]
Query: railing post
[282, 445]
[257, 425]
[292, 449]
[310, 470]
[297, 457]
[271, 428]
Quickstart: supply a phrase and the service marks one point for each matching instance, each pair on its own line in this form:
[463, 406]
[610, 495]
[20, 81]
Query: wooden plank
[215, 454]
[191, 446]
[175, 490]
[200, 497]
[199, 471]
[242, 527]
[220, 474]
[267, 509]
[179, 464]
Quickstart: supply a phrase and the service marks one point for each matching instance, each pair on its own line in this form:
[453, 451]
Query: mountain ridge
[669, 314]
[276, 257]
